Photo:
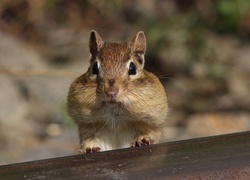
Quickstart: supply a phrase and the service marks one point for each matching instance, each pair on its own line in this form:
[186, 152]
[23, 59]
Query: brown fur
[136, 112]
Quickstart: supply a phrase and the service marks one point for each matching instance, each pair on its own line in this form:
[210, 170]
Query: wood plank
[218, 157]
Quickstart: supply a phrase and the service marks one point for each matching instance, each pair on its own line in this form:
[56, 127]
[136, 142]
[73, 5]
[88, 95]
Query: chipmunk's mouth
[111, 97]
[110, 101]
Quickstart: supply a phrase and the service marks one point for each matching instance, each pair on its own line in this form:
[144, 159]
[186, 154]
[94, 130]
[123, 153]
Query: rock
[29, 104]
[208, 124]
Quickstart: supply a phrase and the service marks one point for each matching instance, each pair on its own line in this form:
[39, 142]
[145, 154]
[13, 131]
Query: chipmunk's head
[115, 65]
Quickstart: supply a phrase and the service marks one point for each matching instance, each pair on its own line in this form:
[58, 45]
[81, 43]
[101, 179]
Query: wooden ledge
[218, 157]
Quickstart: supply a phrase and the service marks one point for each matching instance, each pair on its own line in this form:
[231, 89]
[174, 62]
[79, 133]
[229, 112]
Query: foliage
[230, 15]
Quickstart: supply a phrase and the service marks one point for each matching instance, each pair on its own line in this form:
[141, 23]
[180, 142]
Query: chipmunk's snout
[111, 91]
[111, 95]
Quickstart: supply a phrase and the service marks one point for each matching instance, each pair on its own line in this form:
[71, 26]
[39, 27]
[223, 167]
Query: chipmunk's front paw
[146, 141]
[89, 150]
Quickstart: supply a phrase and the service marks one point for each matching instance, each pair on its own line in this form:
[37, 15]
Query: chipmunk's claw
[142, 142]
[89, 150]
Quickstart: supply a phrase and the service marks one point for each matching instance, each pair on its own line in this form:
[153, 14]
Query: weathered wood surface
[219, 157]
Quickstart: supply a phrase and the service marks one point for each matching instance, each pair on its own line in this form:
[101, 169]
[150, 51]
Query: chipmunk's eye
[132, 69]
[95, 69]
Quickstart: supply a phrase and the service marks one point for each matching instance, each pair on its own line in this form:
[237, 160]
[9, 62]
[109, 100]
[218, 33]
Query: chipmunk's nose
[111, 82]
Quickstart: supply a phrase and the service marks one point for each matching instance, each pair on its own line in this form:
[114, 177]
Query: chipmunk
[116, 103]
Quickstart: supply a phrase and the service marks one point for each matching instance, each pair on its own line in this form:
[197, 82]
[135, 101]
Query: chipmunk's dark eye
[132, 69]
[95, 69]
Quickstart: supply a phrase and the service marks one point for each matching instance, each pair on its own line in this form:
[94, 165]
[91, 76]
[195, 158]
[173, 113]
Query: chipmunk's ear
[95, 43]
[138, 43]
[138, 46]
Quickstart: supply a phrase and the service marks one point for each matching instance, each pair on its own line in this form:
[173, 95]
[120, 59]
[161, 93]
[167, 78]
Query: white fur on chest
[115, 133]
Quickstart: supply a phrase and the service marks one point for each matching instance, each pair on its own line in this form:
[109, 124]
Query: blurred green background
[200, 49]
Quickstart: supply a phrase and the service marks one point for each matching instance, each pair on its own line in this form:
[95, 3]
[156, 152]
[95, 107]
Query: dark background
[200, 49]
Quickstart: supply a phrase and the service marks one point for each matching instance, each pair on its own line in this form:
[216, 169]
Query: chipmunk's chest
[113, 114]
[115, 132]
